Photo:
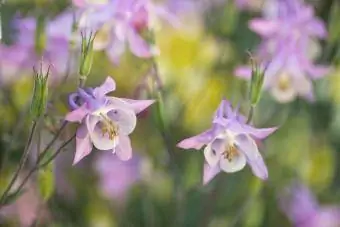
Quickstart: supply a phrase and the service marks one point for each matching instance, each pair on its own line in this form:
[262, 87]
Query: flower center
[109, 127]
[284, 82]
[230, 152]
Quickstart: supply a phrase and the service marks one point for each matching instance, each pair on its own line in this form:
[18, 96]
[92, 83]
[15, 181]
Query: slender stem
[42, 165]
[22, 162]
[250, 114]
[50, 144]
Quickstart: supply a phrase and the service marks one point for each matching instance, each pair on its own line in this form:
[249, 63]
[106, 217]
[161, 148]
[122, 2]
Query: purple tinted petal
[115, 50]
[328, 216]
[243, 72]
[139, 105]
[264, 28]
[83, 144]
[166, 15]
[259, 133]
[248, 147]
[108, 86]
[139, 46]
[197, 142]
[299, 204]
[124, 150]
[209, 173]
[77, 115]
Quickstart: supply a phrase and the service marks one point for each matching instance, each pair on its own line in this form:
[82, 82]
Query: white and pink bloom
[229, 144]
[303, 210]
[119, 24]
[106, 121]
[289, 47]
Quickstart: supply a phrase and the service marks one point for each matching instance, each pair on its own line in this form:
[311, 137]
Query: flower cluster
[288, 49]
[120, 23]
[230, 144]
[106, 121]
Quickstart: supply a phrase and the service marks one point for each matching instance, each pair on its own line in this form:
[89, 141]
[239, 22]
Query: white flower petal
[237, 163]
[100, 141]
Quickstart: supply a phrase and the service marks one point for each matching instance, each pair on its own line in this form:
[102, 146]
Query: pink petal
[264, 27]
[197, 142]
[108, 86]
[259, 133]
[209, 173]
[243, 72]
[124, 150]
[139, 46]
[77, 115]
[83, 144]
[139, 105]
[167, 16]
[249, 148]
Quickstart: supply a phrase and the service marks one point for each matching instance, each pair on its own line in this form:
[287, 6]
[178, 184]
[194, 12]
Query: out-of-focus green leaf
[46, 182]
[319, 166]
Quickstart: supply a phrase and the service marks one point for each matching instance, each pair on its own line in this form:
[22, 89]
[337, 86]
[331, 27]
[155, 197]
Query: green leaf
[46, 182]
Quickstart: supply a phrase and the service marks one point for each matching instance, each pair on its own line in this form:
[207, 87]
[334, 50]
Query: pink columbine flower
[289, 47]
[106, 121]
[229, 144]
[303, 210]
[119, 24]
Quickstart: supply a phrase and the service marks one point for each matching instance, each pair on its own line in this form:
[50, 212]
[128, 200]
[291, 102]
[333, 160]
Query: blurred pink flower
[116, 176]
[303, 210]
[289, 47]
[21, 56]
[27, 208]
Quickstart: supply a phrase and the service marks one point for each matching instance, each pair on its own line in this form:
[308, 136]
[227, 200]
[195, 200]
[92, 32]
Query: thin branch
[23, 160]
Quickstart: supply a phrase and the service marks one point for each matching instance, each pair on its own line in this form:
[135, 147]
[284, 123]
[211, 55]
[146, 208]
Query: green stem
[250, 114]
[22, 162]
[50, 144]
[44, 164]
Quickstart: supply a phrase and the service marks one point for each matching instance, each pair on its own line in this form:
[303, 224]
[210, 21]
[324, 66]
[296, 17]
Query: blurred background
[197, 65]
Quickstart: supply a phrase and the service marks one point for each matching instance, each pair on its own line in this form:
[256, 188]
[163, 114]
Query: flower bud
[40, 93]
[40, 35]
[257, 78]
[86, 55]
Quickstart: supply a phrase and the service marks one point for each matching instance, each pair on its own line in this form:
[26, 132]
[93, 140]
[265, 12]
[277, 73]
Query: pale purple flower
[230, 144]
[303, 210]
[116, 176]
[106, 121]
[289, 47]
[21, 56]
[119, 24]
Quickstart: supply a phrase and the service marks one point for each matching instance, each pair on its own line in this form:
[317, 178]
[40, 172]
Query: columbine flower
[23, 53]
[230, 144]
[120, 23]
[289, 48]
[304, 211]
[106, 122]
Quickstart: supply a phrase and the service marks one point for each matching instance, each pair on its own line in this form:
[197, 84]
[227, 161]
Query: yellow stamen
[230, 152]
[284, 82]
[109, 127]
